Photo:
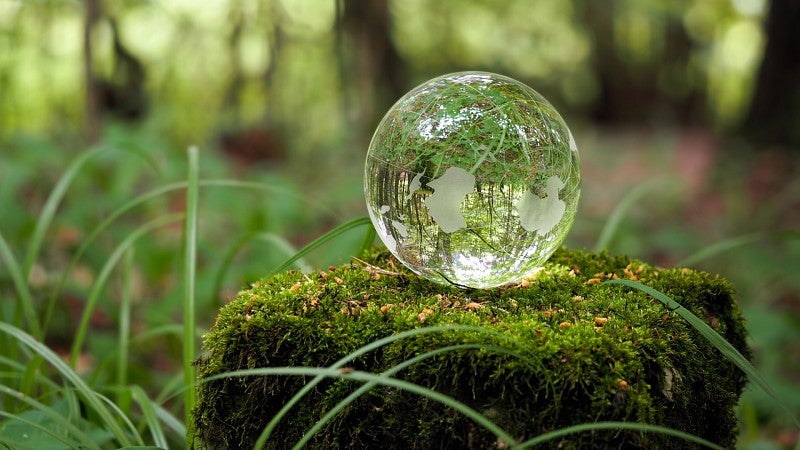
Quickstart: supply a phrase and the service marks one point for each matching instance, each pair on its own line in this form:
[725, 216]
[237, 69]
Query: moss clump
[582, 351]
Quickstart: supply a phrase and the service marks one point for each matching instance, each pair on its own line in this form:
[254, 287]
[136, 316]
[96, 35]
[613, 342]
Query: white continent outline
[444, 204]
[536, 214]
[542, 214]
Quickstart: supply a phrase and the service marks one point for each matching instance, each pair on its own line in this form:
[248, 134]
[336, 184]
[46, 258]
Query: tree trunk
[93, 119]
[774, 113]
[630, 92]
[376, 74]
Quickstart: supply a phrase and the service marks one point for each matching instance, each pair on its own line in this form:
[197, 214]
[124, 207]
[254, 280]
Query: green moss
[578, 351]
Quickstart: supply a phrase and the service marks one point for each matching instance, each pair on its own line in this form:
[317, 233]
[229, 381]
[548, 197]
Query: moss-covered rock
[577, 351]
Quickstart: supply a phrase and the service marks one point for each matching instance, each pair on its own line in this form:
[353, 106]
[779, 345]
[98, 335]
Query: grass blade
[123, 417]
[57, 417]
[50, 206]
[93, 235]
[361, 351]
[257, 186]
[341, 229]
[150, 416]
[615, 219]
[41, 428]
[172, 388]
[280, 243]
[57, 194]
[143, 198]
[91, 398]
[124, 326]
[172, 422]
[102, 277]
[645, 428]
[740, 241]
[147, 196]
[369, 240]
[18, 370]
[189, 281]
[388, 373]
[330, 372]
[21, 285]
[713, 337]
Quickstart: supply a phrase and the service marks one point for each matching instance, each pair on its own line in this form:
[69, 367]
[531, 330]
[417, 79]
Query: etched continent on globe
[449, 190]
[472, 179]
[542, 214]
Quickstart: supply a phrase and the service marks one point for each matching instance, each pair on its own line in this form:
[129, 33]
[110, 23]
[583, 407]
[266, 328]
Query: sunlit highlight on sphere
[472, 179]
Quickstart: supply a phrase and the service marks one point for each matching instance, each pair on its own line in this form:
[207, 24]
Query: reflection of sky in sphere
[442, 127]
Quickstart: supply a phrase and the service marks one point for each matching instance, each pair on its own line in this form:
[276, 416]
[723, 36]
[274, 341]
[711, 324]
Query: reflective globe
[472, 179]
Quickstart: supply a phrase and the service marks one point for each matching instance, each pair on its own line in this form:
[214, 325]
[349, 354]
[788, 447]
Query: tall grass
[46, 380]
[50, 394]
[189, 282]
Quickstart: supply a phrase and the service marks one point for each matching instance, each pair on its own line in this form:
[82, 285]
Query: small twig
[375, 269]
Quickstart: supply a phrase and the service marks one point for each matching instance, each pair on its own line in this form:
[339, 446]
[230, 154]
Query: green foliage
[80, 269]
[94, 260]
[573, 350]
[487, 126]
[277, 60]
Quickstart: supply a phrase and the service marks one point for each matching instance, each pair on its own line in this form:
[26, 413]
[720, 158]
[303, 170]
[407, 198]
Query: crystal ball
[472, 179]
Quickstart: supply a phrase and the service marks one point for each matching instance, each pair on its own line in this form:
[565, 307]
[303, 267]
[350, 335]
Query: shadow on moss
[579, 351]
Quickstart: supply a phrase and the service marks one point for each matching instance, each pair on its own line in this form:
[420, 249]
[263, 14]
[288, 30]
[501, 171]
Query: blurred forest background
[686, 114]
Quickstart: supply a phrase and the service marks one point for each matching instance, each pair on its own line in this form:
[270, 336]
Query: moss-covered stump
[562, 349]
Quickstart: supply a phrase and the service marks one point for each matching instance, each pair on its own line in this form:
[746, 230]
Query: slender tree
[376, 71]
[774, 112]
[93, 114]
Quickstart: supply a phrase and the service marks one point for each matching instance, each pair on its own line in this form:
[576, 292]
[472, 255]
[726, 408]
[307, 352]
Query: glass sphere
[472, 179]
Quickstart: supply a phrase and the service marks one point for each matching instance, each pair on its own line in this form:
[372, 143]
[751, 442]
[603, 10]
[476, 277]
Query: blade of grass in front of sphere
[713, 337]
[596, 426]
[189, 282]
[319, 372]
[90, 397]
[615, 219]
[363, 350]
[388, 373]
[24, 297]
[102, 277]
[341, 229]
[739, 241]
[123, 341]
[280, 243]
[150, 416]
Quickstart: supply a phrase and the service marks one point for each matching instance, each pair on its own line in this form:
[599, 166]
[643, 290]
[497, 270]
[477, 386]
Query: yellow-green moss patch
[579, 351]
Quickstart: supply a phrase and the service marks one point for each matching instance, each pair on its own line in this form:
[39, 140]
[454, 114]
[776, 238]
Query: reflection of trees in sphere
[472, 178]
